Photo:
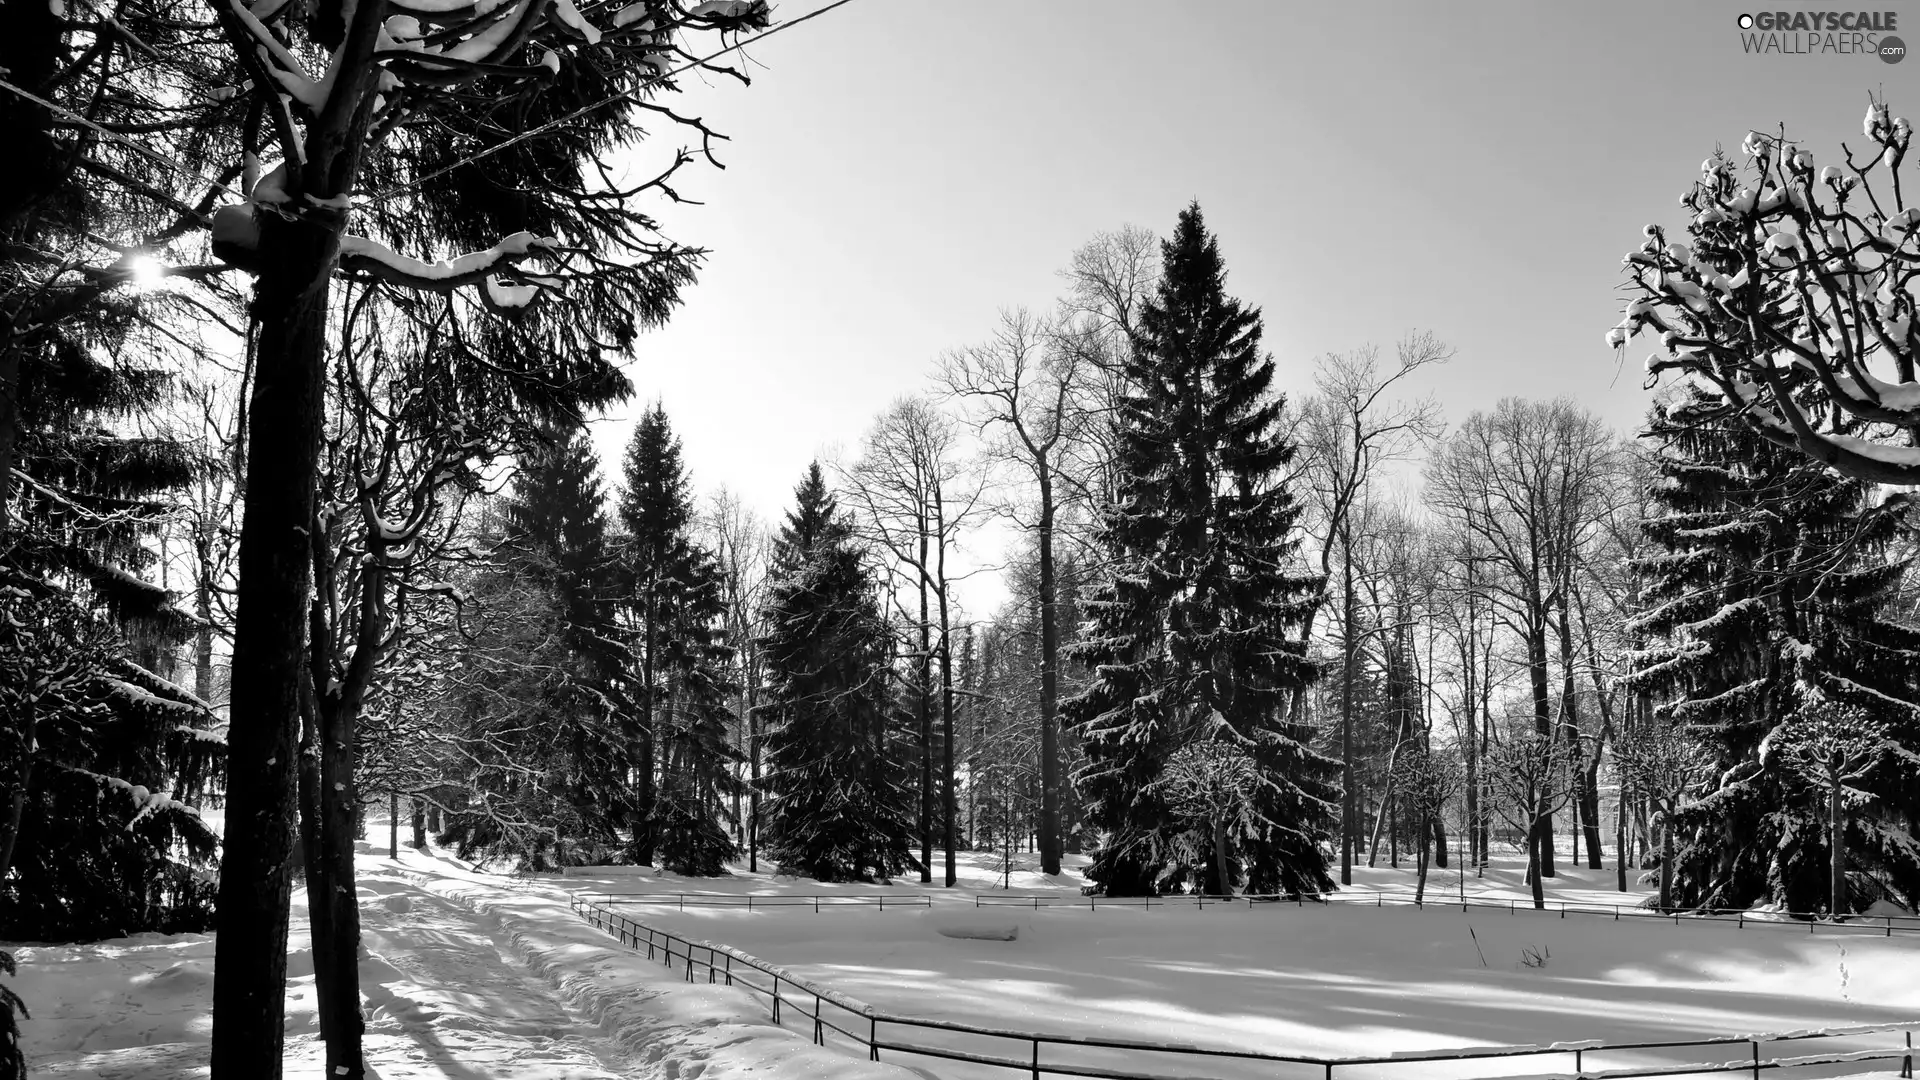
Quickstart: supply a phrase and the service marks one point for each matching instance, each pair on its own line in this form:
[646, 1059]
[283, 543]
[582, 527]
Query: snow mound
[971, 924]
[605, 871]
[1887, 909]
[398, 903]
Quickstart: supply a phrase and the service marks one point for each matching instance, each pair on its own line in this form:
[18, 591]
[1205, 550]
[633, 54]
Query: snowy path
[464, 976]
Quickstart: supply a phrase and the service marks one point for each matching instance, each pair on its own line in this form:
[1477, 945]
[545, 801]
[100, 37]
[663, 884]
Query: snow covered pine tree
[835, 807]
[1192, 630]
[1773, 577]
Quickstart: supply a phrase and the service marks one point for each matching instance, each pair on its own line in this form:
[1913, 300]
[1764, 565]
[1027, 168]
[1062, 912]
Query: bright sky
[902, 169]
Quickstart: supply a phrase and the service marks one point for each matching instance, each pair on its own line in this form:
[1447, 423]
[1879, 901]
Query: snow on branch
[359, 254]
[1792, 297]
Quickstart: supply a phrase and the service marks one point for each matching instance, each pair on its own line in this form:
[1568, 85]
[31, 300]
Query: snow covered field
[475, 977]
[1318, 980]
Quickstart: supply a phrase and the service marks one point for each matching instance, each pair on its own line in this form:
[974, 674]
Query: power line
[583, 110]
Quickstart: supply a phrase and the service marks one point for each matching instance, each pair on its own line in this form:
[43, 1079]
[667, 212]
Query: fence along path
[856, 1025]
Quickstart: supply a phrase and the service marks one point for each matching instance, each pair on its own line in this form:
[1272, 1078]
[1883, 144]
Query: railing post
[1906, 1063]
[873, 1039]
[1756, 1059]
[1579, 1060]
[819, 1033]
[816, 905]
[776, 999]
[1036, 1059]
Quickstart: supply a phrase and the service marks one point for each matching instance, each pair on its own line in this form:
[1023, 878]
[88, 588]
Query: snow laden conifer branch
[1790, 297]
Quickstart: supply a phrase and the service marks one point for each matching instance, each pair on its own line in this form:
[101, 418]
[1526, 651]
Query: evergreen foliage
[837, 808]
[1772, 580]
[673, 591]
[541, 715]
[101, 757]
[1190, 632]
[697, 777]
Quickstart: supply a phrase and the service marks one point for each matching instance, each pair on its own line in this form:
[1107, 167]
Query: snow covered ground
[473, 976]
[466, 977]
[1318, 980]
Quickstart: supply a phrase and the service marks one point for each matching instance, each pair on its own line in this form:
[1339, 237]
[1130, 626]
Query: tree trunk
[1049, 688]
[1534, 877]
[753, 793]
[948, 794]
[643, 789]
[1542, 724]
[924, 704]
[1420, 872]
[419, 822]
[317, 871]
[338, 990]
[1221, 885]
[393, 824]
[203, 633]
[1348, 651]
[1837, 825]
[1666, 860]
[1620, 841]
[1439, 842]
[283, 442]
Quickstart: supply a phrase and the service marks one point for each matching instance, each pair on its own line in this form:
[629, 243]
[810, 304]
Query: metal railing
[1886, 925]
[876, 1030]
[749, 901]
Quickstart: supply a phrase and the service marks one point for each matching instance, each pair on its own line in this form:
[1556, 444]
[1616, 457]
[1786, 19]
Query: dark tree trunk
[393, 824]
[924, 704]
[1439, 842]
[1535, 847]
[1543, 725]
[283, 442]
[753, 792]
[1666, 862]
[1049, 688]
[317, 870]
[336, 961]
[1837, 826]
[203, 633]
[644, 792]
[1348, 651]
[1221, 885]
[419, 822]
[1420, 880]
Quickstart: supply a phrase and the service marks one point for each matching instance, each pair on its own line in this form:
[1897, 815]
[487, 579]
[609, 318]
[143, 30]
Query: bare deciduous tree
[1352, 425]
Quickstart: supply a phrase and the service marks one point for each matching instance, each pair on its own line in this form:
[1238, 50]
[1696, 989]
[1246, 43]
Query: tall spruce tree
[697, 775]
[1772, 580]
[836, 807]
[656, 510]
[101, 758]
[1193, 632]
[542, 701]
